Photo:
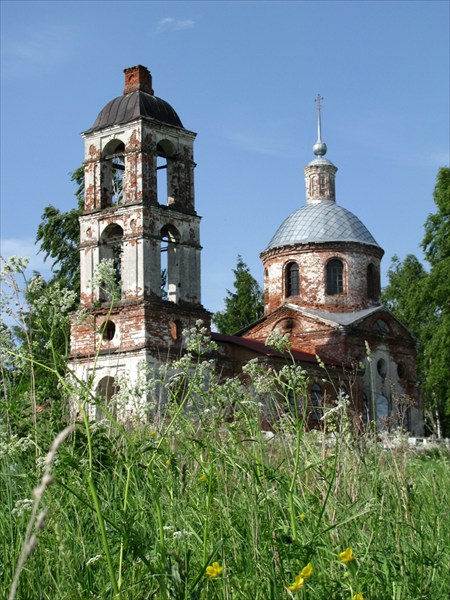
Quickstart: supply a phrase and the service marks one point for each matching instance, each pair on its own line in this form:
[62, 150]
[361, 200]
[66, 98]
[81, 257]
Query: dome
[321, 222]
[135, 105]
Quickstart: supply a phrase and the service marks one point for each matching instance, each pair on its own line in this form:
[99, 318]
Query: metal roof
[133, 106]
[324, 221]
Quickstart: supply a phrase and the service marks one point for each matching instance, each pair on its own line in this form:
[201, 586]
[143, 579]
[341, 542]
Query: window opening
[381, 367]
[292, 280]
[161, 179]
[382, 412]
[111, 248]
[316, 402]
[381, 326]
[109, 331]
[107, 389]
[335, 279]
[169, 263]
[165, 172]
[113, 168]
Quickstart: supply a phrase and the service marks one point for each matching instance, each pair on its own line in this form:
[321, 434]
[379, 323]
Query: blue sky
[244, 76]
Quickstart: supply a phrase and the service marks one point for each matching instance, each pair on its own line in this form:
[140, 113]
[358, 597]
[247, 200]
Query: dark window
[381, 327]
[335, 280]
[292, 280]
[316, 402]
[109, 331]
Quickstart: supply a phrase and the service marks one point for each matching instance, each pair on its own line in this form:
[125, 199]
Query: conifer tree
[244, 305]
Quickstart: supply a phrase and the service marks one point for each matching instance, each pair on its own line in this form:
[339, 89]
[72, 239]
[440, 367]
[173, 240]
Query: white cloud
[171, 24]
[26, 248]
[40, 49]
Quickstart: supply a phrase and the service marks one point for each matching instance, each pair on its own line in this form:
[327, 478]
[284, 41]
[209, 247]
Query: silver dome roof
[324, 221]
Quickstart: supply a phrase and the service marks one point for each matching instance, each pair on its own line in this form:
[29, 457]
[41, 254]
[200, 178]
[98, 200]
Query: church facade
[321, 270]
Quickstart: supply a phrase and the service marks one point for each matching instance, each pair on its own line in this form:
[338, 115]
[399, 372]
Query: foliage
[59, 236]
[421, 300]
[39, 313]
[244, 305]
[194, 505]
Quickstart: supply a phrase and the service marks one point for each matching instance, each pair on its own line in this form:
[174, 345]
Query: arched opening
[112, 172]
[111, 247]
[170, 266]
[292, 279]
[335, 277]
[166, 184]
[382, 412]
[316, 402]
[105, 392]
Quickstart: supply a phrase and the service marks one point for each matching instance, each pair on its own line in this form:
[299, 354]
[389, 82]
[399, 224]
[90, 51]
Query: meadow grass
[200, 503]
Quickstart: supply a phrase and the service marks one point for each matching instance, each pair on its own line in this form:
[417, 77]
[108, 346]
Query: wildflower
[358, 597]
[346, 556]
[203, 478]
[307, 571]
[298, 583]
[214, 570]
[302, 516]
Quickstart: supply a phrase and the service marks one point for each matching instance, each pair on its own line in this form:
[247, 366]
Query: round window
[109, 331]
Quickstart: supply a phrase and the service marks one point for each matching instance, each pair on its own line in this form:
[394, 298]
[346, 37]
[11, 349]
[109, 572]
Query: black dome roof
[133, 106]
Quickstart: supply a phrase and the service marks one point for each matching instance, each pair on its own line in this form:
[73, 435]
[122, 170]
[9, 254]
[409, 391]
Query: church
[321, 271]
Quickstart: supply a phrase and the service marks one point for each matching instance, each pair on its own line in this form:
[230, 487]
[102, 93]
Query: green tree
[244, 305]
[405, 293]
[436, 245]
[58, 235]
[421, 300]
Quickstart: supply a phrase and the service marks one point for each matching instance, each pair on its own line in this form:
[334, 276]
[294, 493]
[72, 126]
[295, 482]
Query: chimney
[138, 78]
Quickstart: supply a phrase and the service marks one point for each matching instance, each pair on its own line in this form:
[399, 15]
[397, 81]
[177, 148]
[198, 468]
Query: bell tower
[139, 213]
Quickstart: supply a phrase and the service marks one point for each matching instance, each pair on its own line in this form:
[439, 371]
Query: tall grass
[191, 500]
[141, 512]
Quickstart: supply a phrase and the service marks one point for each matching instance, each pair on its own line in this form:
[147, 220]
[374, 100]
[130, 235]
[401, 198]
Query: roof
[260, 348]
[132, 106]
[320, 222]
[343, 319]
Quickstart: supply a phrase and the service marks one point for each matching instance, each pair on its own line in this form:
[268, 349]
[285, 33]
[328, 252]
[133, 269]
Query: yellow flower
[203, 478]
[298, 583]
[346, 556]
[302, 516]
[307, 571]
[214, 570]
[358, 597]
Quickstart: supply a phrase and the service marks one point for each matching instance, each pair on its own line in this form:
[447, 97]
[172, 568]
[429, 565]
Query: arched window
[316, 402]
[170, 263]
[371, 284]
[112, 172]
[292, 279]
[106, 390]
[335, 277]
[165, 173]
[111, 248]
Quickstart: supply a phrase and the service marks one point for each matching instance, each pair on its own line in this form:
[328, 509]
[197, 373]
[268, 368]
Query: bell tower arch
[139, 212]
